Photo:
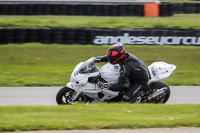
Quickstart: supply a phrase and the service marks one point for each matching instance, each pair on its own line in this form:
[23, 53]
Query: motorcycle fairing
[160, 70]
[110, 73]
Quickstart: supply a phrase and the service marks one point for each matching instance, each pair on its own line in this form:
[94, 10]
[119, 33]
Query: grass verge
[97, 116]
[51, 65]
[184, 21]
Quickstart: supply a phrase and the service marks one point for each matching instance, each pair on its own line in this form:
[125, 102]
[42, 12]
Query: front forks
[75, 95]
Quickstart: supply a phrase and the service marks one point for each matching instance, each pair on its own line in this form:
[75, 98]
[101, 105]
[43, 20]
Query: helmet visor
[113, 59]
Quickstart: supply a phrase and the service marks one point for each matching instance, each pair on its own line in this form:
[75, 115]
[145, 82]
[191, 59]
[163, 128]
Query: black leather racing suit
[132, 69]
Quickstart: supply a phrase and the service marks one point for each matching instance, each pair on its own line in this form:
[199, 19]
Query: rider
[132, 69]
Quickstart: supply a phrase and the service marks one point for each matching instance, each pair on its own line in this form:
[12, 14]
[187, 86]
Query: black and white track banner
[146, 39]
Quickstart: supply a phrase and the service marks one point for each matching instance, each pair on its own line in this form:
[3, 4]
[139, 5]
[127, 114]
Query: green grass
[51, 65]
[97, 116]
[185, 21]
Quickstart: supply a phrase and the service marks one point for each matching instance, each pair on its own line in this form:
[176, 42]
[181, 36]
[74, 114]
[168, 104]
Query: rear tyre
[158, 85]
[64, 96]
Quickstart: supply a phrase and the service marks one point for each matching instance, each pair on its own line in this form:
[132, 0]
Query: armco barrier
[98, 36]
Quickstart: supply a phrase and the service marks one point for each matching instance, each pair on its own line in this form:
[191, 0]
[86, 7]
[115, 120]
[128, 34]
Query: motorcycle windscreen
[88, 67]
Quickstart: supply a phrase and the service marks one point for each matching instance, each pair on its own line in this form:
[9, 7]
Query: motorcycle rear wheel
[64, 96]
[158, 85]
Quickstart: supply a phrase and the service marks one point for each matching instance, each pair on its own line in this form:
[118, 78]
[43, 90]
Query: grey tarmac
[47, 95]
[156, 130]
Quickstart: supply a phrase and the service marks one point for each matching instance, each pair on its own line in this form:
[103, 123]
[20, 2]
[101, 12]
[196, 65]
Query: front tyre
[64, 96]
[158, 85]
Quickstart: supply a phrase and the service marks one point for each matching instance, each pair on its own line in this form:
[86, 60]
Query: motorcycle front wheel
[158, 85]
[64, 96]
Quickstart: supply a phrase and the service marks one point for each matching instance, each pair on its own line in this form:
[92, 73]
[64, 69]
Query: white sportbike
[83, 84]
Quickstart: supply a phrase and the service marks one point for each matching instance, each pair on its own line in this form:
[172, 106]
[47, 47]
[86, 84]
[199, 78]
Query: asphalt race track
[159, 130]
[46, 95]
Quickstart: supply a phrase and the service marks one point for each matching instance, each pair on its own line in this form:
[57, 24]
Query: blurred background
[47, 38]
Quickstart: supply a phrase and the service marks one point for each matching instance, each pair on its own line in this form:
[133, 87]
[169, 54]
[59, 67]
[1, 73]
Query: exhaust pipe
[158, 93]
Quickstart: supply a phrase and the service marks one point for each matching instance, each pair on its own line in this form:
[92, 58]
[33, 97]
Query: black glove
[97, 59]
[103, 86]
